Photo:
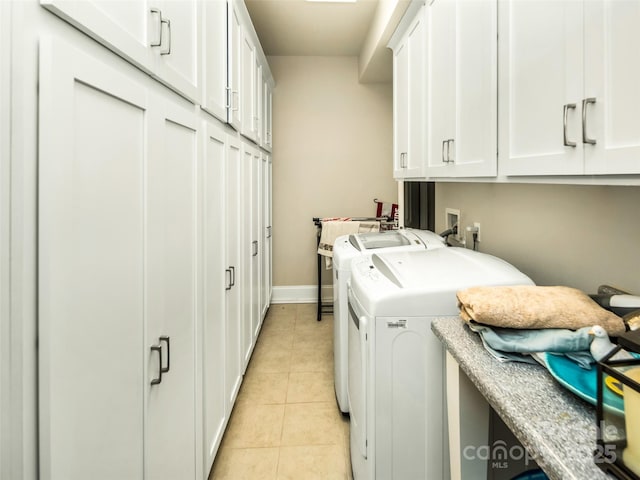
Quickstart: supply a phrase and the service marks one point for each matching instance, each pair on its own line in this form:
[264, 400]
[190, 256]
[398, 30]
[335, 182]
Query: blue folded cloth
[509, 344]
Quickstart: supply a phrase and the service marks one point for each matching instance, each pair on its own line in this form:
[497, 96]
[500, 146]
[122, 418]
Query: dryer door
[358, 373]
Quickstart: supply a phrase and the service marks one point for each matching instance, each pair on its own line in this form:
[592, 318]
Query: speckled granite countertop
[556, 427]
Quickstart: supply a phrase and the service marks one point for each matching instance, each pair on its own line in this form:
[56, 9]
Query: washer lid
[425, 282]
[429, 238]
[373, 241]
[443, 268]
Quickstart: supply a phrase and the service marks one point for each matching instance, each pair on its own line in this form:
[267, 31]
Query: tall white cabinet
[93, 356]
[234, 362]
[170, 290]
[216, 347]
[152, 250]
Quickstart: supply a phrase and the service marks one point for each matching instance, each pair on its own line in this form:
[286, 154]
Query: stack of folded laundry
[516, 323]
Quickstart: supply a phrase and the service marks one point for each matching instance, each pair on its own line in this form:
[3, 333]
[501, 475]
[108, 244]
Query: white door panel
[93, 135]
[171, 256]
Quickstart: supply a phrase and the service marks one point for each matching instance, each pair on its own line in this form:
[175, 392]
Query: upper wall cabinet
[234, 51]
[248, 87]
[160, 37]
[408, 99]
[214, 28]
[461, 88]
[569, 87]
[267, 113]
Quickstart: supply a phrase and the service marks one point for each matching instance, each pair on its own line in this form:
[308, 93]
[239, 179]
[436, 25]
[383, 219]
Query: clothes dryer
[396, 379]
[345, 249]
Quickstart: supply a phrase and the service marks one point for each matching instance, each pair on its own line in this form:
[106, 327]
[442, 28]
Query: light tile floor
[286, 423]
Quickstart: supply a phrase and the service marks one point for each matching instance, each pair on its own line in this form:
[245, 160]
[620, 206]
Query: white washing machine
[396, 364]
[345, 249]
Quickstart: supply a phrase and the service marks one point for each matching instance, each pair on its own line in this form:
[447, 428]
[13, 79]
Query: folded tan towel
[527, 306]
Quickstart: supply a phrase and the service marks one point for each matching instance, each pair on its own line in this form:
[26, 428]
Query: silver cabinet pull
[229, 95]
[157, 348]
[228, 287]
[565, 113]
[233, 276]
[255, 248]
[269, 231]
[236, 103]
[585, 139]
[403, 158]
[167, 340]
[168, 23]
[157, 11]
[446, 158]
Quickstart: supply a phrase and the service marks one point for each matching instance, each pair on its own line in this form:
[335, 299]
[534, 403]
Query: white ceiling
[300, 27]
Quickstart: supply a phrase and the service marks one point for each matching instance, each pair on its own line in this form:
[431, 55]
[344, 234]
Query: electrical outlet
[477, 225]
[452, 216]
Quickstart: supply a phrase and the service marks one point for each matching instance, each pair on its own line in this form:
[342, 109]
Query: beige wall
[581, 236]
[333, 141]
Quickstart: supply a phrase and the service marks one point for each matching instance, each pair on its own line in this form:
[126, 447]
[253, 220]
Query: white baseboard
[301, 294]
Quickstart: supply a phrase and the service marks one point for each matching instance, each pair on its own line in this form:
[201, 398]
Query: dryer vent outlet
[452, 216]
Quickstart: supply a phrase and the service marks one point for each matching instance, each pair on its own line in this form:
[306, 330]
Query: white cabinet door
[234, 52]
[93, 137]
[612, 76]
[233, 293]
[170, 291]
[178, 56]
[441, 77]
[213, 332]
[462, 83]
[400, 109]
[214, 84]
[409, 108]
[256, 243]
[258, 108]
[541, 87]
[246, 252]
[476, 89]
[268, 116]
[248, 88]
[266, 233]
[122, 26]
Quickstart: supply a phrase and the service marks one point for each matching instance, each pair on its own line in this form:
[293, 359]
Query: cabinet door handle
[403, 160]
[585, 139]
[269, 231]
[236, 103]
[168, 23]
[447, 158]
[229, 95]
[157, 11]
[233, 276]
[157, 348]
[228, 287]
[255, 248]
[565, 113]
[167, 340]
